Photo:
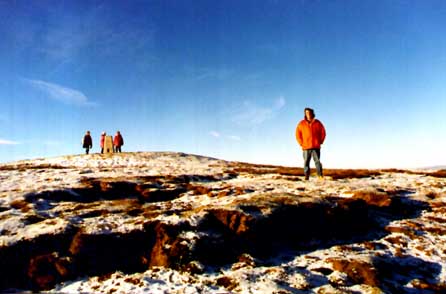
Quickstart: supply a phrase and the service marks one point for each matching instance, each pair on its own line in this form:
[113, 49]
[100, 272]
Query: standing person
[101, 141]
[87, 142]
[118, 141]
[310, 134]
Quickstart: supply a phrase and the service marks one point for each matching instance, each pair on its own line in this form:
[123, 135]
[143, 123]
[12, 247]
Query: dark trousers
[316, 155]
[118, 149]
[87, 149]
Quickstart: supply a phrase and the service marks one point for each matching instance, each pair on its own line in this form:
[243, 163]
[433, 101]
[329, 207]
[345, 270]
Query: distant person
[310, 134]
[87, 142]
[101, 141]
[118, 141]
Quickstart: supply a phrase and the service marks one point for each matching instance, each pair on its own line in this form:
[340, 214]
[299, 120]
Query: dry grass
[436, 219]
[25, 166]
[436, 230]
[199, 189]
[397, 240]
[298, 171]
[132, 280]
[406, 230]
[436, 174]
[337, 174]
[371, 197]
[227, 282]
[359, 271]
[21, 204]
[432, 195]
[423, 285]
[438, 207]
[371, 245]
[273, 170]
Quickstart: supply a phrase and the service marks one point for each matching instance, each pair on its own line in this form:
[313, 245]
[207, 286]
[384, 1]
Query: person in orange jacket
[310, 134]
[118, 141]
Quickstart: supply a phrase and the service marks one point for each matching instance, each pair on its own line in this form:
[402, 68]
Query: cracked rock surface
[165, 222]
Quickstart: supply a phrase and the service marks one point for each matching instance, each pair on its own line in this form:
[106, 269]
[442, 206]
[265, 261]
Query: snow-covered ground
[409, 256]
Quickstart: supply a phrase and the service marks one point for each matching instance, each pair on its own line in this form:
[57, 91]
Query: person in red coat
[310, 134]
[101, 141]
[118, 141]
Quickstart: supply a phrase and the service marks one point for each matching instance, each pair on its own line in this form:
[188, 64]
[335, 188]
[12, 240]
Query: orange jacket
[310, 135]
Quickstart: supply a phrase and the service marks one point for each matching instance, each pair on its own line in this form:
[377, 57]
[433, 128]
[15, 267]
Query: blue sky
[227, 79]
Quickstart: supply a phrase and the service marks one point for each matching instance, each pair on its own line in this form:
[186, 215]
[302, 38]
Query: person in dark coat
[87, 142]
[118, 141]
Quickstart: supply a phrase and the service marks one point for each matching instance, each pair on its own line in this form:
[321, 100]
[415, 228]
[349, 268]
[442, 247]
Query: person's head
[103, 133]
[118, 133]
[88, 132]
[309, 113]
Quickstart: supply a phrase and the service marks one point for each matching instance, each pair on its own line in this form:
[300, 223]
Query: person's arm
[323, 134]
[299, 135]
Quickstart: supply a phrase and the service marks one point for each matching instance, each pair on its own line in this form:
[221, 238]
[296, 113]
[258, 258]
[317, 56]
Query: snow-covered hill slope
[178, 223]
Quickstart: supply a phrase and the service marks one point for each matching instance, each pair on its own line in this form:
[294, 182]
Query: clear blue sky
[227, 79]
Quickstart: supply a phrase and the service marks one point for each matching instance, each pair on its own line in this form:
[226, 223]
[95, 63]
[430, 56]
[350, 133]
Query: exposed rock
[359, 271]
[17, 256]
[100, 252]
[45, 271]
[154, 213]
[169, 249]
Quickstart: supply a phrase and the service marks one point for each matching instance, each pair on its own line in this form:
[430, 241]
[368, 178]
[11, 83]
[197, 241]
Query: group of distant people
[87, 142]
[310, 134]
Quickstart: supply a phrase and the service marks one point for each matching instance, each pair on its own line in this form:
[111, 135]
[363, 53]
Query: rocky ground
[180, 223]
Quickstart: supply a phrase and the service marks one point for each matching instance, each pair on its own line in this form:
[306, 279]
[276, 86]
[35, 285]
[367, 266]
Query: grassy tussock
[377, 198]
[436, 174]
[337, 174]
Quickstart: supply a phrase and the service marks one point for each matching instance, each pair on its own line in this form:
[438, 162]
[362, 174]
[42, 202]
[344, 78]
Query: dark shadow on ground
[224, 234]
[394, 273]
[305, 227]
